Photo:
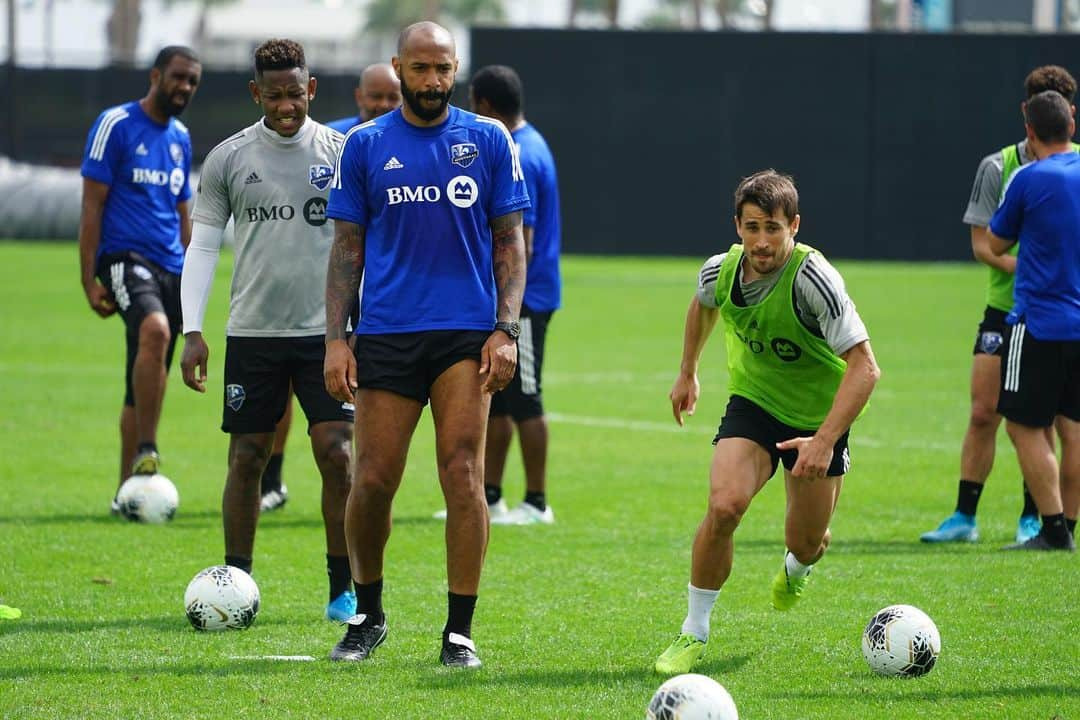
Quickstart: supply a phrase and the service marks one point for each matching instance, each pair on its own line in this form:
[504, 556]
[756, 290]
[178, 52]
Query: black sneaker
[362, 636]
[459, 651]
[1039, 542]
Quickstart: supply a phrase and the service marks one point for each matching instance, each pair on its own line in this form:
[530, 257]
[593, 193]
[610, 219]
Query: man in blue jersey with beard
[1040, 373]
[133, 230]
[427, 204]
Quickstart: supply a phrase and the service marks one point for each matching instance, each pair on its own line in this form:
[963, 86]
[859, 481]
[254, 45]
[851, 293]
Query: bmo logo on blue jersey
[461, 191]
[153, 176]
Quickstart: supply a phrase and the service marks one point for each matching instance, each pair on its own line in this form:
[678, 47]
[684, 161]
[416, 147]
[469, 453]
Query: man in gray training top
[273, 178]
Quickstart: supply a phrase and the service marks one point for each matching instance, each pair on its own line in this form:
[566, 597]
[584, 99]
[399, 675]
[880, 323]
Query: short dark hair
[1050, 77]
[1048, 115]
[167, 53]
[770, 191]
[279, 54]
[500, 86]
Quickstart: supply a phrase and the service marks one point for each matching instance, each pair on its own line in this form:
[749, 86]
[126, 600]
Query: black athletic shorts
[990, 340]
[1039, 379]
[409, 363]
[745, 419]
[140, 287]
[521, 399]
[258, 372]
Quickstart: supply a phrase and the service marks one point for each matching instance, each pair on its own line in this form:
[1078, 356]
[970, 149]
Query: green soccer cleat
[787, 591]
[681, 655]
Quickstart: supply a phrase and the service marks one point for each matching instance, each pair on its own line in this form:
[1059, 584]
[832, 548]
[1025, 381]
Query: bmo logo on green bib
[786, 350]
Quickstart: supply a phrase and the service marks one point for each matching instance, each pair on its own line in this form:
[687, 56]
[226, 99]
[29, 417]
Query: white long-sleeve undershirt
[200, 261]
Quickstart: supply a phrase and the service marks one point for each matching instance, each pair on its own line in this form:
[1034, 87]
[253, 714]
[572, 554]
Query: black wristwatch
[512, 328]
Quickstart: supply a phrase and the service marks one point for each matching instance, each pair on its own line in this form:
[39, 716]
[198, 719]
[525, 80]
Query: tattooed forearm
[508, 262]
[343, 276]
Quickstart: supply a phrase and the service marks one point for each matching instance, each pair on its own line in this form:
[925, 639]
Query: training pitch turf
[571, 616]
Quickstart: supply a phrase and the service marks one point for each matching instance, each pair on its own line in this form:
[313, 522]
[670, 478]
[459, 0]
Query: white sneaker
[525, 514]
[274, 499]
[497, 510]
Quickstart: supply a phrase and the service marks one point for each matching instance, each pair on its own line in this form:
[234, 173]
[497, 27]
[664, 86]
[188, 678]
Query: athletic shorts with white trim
[1039, 378]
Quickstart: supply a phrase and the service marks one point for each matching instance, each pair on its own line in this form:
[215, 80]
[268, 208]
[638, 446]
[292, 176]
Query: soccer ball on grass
[901, 641]
[148, 499]
[220, 598]
[691, 697]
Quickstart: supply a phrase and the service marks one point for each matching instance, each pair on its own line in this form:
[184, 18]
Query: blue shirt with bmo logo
[1041, 209]
[146, 166]
[425, 197]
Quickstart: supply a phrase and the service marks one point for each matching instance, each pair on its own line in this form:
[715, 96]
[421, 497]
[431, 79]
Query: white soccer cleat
[525, 514]
[497, 510]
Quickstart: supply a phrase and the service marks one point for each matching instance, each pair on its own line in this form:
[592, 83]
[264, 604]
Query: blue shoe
[342, 607]
[958, 527]
[1027, 528]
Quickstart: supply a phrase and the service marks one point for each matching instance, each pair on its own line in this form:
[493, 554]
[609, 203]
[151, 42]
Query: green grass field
[570, 616]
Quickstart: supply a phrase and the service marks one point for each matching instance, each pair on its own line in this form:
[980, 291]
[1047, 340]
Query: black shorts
[521, 399]
[140, 287]
[258, 373]
[409, 363]
[745, 419]
[990, 340]
[1039, 379]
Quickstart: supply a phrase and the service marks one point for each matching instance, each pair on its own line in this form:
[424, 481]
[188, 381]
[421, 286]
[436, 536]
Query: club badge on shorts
[989, 342]
[235, 396]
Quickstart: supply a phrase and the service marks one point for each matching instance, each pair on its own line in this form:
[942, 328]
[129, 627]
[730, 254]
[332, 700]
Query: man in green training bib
[801, 370]
[977, 452]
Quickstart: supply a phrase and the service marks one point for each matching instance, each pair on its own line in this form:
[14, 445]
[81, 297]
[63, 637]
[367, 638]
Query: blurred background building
[344, 34]
[654, 108]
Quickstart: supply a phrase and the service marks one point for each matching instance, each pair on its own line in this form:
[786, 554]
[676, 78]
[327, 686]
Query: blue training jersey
[345, 124]
[426, 197]
[146, 166]
[1041, 210]
[543, 286]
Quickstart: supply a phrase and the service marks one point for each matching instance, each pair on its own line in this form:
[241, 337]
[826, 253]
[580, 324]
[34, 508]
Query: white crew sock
[795, 569]
[700, 604]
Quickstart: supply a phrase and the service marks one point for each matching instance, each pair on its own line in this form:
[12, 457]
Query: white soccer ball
[901, 641]
[148, 499]
[691, 697]
[221, 597]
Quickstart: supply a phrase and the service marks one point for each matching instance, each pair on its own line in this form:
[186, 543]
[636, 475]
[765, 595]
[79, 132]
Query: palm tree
[122, 31]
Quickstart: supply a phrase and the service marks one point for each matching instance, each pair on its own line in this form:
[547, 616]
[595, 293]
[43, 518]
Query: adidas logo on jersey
[252, 179]
[141, 150]
[392, 164]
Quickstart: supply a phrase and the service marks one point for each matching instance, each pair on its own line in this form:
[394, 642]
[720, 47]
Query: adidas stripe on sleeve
[823, 304]
[707, 277]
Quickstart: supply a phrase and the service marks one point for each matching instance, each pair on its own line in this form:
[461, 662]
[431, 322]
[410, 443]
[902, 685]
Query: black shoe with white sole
[362, 636]
[459, 651]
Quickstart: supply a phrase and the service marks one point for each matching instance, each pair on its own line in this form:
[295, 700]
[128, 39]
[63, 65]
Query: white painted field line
[286, 658]
[649, 426]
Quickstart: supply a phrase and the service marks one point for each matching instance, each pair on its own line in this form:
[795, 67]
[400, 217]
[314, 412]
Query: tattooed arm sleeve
[343, 276]
[508, 263]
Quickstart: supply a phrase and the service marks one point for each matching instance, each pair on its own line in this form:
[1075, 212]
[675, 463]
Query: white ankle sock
[700, 604]
[795, 569]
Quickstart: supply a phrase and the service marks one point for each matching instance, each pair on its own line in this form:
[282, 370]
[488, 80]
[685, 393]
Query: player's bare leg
[248, 453]
[274, 492]
[500, 434]
[385, 422]
[533, 436]
[1042, 474]
[331, 444]
[128, 441]
[1069, 432]
[810, 505]
[148, 378]
[459, 408]
[384, 425]
[739, 469]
